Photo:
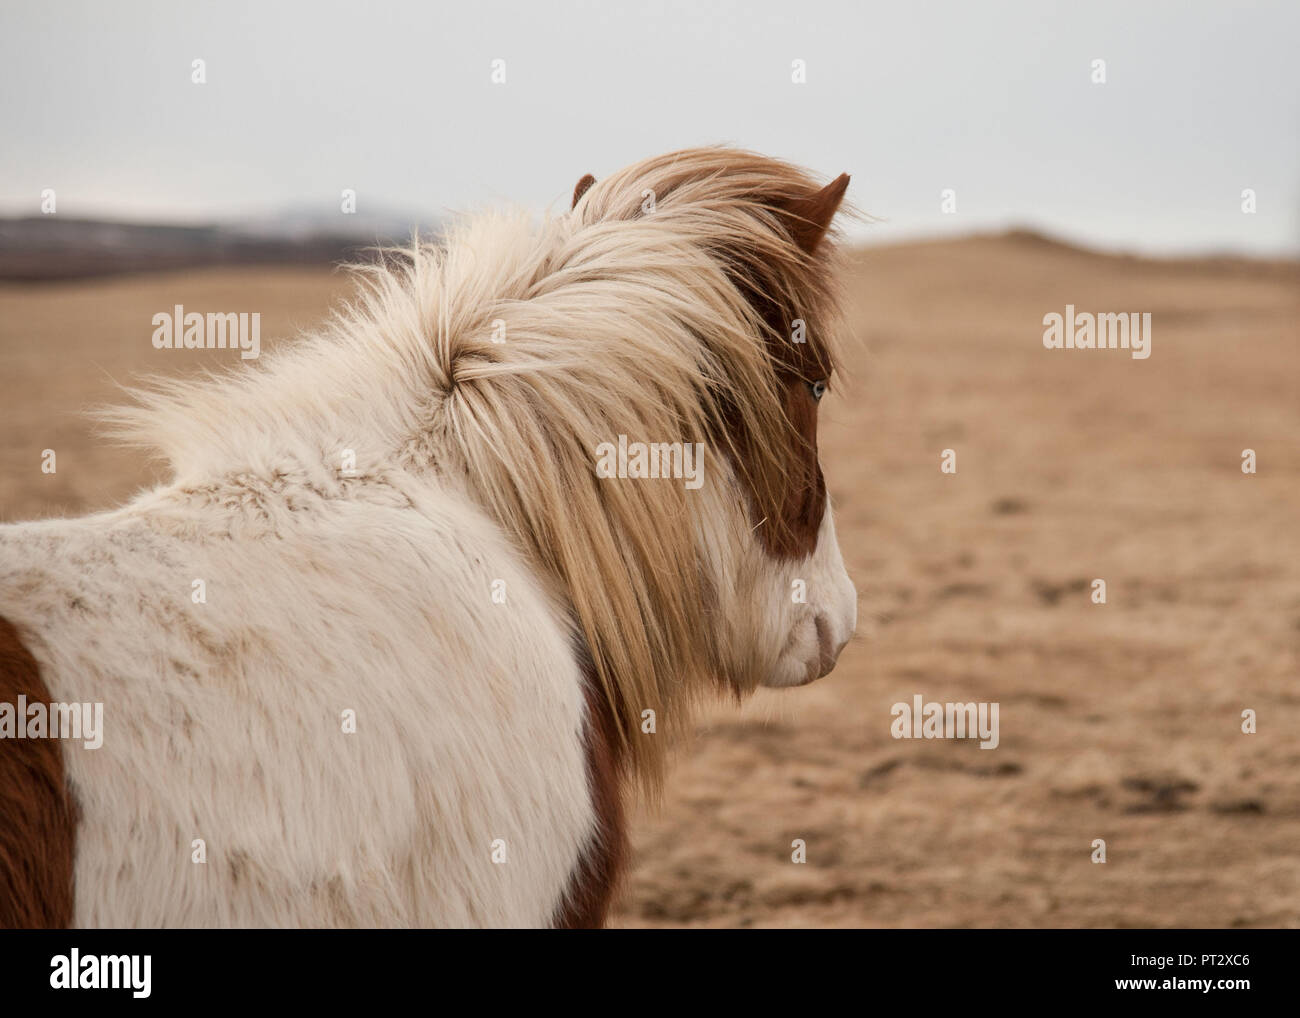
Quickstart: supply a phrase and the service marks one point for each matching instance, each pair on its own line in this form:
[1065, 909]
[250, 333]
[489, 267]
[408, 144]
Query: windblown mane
[664, 323]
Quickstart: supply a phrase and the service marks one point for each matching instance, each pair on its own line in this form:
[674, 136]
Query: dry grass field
[1119, 721]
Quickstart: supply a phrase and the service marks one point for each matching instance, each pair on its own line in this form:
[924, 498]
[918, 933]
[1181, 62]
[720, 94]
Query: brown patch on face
[37, 815]
[595, 876]
[805, 496]
[790, 510]
[787, 517]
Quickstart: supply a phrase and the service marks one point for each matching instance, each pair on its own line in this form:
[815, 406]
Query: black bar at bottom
[1224, 969]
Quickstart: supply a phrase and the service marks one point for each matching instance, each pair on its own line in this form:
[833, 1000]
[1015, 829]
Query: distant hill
[41, 248]
[54, 247]
[1054, 249]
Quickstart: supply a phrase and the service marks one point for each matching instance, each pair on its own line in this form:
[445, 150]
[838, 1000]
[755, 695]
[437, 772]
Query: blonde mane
[498, 360]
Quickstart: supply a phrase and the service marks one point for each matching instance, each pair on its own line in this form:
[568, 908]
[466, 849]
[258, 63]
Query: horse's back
[330, 720]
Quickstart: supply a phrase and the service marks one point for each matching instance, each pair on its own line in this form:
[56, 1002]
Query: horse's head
[631, 391]
[751, 234]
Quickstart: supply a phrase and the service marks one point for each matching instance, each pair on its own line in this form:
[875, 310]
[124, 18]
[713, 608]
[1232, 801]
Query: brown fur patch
[37, 815]
[595, 877]
[581, 188]
[792, 505]
[805, 495]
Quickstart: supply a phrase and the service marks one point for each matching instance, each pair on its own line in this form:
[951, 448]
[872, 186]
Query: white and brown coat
[661, 307]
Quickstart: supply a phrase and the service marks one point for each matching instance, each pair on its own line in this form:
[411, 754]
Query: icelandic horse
[385, 650]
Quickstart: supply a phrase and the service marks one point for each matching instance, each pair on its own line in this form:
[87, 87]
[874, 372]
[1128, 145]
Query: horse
[387, 648]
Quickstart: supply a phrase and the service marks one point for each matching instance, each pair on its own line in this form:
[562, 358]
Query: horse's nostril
[826, 648]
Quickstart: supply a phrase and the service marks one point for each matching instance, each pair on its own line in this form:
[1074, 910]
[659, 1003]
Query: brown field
[1118, 721]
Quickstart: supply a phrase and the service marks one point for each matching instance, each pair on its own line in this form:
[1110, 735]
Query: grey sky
[394, 99]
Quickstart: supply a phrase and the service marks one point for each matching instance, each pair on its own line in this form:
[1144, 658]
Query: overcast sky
[395, 100]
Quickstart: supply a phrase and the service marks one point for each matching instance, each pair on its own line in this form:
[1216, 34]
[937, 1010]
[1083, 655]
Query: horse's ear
[811, 217]
[581, 189]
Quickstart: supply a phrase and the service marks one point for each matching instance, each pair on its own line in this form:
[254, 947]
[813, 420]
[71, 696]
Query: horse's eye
[818, 388]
